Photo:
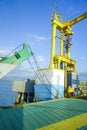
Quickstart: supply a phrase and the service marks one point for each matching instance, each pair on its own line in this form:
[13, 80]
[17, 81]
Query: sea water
[7, 96]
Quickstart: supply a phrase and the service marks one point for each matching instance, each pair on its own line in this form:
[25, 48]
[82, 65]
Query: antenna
[55, 8]
[54, 13]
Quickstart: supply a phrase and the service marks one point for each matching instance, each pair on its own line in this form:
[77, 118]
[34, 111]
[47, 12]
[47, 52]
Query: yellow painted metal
[70, 63]
[83, 87]
[63, 59]
[78, 19]
[73, 123]
[65, 29]
[61, 45]
[70, 89]
[54, 25]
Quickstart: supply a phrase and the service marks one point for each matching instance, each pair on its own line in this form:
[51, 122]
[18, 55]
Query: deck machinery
[61, 74]
[63, 60]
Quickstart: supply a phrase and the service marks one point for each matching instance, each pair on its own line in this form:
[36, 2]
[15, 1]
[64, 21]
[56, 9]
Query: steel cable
[41, 79]
[38, 67]
[11, 52]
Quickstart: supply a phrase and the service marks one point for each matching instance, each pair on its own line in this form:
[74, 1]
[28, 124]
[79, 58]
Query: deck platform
[59, 114]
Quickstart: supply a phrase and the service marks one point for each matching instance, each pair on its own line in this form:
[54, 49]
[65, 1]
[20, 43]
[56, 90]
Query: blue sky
[30, 21]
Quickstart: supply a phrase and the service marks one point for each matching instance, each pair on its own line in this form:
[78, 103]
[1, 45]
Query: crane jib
[78, 19]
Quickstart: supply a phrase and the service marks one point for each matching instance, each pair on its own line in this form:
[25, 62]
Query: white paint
[19, 86]
[49, 84]
[5, 69]
[53, 76]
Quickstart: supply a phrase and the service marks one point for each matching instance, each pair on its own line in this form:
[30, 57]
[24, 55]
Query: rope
[41, 79]
[38, 67]
[11, 52]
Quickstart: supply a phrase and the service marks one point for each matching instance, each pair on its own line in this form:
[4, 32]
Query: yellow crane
[65, 29]
[63, 60]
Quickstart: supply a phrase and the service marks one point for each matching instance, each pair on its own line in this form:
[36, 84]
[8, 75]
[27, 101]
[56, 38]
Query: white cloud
[40, 58]
[39, 38]
[21, 72]
[36, 37]
[25, 70]
[4, 52]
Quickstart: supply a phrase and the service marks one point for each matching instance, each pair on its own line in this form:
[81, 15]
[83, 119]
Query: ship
[54, 90]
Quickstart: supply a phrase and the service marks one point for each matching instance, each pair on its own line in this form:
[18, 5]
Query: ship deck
[59, 114]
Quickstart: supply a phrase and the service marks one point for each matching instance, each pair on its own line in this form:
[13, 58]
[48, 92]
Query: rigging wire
[38, 67]
[40, 78]
[11, 52]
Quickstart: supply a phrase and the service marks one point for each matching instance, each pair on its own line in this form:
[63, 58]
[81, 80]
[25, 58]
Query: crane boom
[8, 64]
[78, 19]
